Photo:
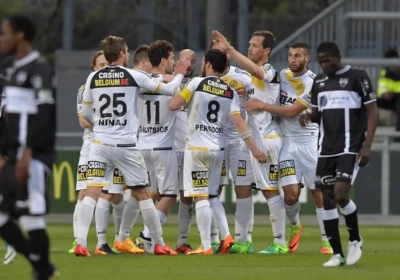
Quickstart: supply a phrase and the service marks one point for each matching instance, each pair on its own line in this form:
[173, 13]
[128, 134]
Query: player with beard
[265, 128]
[210, 102]
[299, 155]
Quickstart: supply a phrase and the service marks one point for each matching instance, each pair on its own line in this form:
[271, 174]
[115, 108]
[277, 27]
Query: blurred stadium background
[70, 31]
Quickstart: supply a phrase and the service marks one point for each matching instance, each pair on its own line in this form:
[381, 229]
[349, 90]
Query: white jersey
[262, 123]
[181, 123]
[292, 89]
[240, 81]
[113, 93]
[88, 132]
[210, 103]
[156, 121]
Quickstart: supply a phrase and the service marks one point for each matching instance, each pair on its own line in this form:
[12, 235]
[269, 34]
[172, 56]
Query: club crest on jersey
[343, 82]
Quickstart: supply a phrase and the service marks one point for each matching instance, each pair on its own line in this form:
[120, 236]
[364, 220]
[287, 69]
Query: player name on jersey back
[210, 101]
[156, 121]
[240, 81]
[291, 89]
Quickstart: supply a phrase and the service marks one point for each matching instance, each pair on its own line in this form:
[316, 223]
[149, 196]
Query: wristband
[246, 135]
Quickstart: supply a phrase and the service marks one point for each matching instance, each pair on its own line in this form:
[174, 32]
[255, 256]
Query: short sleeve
[305, 97]
[189, 89]
[364, 88]
[270, 73]
[79, 100]
[235, 104]
[87, 97]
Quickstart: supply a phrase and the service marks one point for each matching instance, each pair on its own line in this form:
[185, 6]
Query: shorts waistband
[272, 136]
[114, 145]
[193, 148]
[157, 149]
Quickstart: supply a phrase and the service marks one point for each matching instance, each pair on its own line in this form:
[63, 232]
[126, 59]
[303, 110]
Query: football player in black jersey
[344, 103]
[29, 149]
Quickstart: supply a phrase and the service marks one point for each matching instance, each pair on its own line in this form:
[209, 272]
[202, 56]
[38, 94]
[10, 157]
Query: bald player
[185, 204]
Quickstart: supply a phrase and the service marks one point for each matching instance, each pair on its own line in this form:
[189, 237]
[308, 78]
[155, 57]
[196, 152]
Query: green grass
[381, 260]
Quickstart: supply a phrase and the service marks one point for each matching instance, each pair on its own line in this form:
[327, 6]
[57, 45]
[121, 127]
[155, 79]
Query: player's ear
[308, 58]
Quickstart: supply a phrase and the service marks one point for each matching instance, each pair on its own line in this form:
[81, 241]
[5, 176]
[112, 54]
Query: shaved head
[191, 56]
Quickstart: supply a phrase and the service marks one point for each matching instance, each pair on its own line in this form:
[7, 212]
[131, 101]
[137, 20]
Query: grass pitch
[381, 259]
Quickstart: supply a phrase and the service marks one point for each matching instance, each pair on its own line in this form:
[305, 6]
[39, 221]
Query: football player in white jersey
[141, 60]
[156, 137]
[265, 128]
[185, 211]
[237, 157]
[299, 155]
[112, 94]
[210, 102]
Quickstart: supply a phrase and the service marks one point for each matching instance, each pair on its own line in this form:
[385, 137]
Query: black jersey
[31, 109]
[341, 103]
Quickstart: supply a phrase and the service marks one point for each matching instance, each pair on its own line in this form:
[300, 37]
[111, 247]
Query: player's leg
[307, 157]
[185, 211]
[290, 175]
[347, 169]
[325, 180]
[98, 167]
[32, 219]
[101, 217]
[132, 166]
[244, 204]
[118, 206]
[267, 181]
[196, 180]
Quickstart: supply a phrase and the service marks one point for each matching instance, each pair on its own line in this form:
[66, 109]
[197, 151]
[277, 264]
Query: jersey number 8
[213, 109]
[115, 102]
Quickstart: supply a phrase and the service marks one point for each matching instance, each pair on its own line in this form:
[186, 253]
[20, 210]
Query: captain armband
[245, 135]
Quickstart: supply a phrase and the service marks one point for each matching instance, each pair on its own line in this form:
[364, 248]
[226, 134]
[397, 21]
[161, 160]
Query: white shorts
[245, 173]
[117, 182]
[231, 161]
[104, 158]
[298, 161]
[180, 158]
[162, 171]
[81, 174]
[202, 172]
[266, 174]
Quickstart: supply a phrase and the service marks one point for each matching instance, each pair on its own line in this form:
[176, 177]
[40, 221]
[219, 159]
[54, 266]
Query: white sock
[118, 210]
[150, 218]
[75, 218]
[218, 213]
[85, 219]
[320, 213]
[292, 212]
[278, 219]
[101, 216]
[163, 219]
[243, 214]
[214, 231]
[203, 218]
[129, 217]
[184, 219]
[250, 231]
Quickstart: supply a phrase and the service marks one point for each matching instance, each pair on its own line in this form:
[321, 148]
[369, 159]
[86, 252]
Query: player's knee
[117, 199]
[329, 201]
[30, 223]
[243, 191]
[317, 197]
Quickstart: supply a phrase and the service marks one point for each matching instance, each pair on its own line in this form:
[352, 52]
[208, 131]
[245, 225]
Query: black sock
[39, 244]
[12, 234]
[352, 226]
[332, 232]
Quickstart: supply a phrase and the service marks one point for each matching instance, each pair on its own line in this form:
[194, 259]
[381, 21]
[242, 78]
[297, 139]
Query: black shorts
[29, 199]
[335, 169]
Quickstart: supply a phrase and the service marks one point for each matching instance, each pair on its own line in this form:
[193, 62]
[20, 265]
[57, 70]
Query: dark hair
[94, 58]
[391, 53]
[227, 39]
[269, 38]
[301, 45]
[158, 50]
[218, 60]
[141, 52]
[22, 23]
[329, 47]
[112, 46]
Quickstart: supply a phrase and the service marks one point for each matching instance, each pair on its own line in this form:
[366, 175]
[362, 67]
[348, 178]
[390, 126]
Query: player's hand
[181, 66]
[363, 156]
[305, 119]
[168, 78]
[259, 155]
[220, 41]
[253, 105]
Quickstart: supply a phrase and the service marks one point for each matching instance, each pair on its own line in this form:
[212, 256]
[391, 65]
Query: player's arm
[87, 102]
[82, 122]
[311, 98]
[184, 96]
[257, 105]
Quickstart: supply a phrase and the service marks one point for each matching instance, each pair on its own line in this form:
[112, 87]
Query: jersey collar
[33, 55]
